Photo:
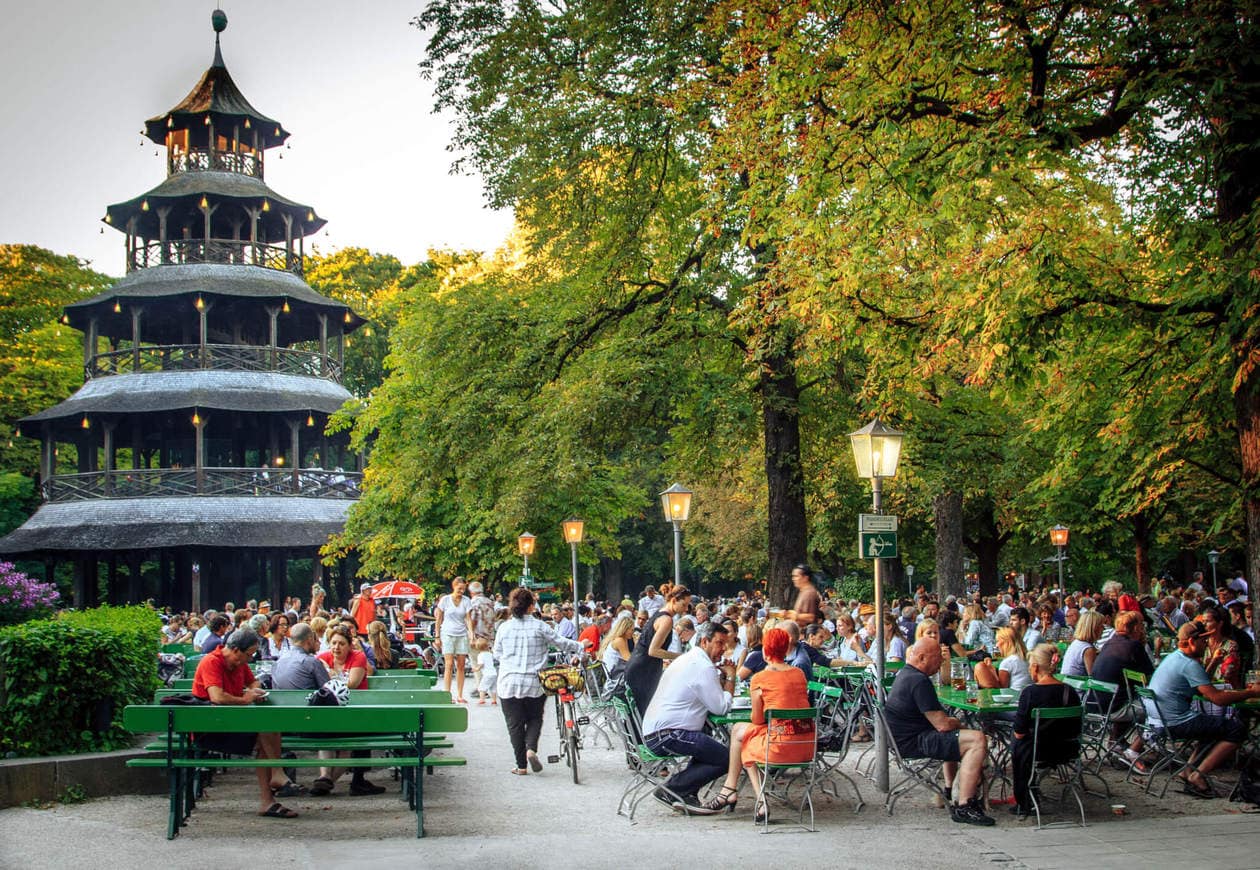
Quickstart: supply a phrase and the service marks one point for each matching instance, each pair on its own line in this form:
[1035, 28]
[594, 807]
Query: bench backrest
[184, 684]
[297, 697]
[353, 719]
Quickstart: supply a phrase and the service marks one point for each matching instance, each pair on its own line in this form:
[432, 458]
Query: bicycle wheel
[571, 747]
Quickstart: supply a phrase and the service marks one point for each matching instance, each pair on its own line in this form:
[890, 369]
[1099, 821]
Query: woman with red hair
[780, 686]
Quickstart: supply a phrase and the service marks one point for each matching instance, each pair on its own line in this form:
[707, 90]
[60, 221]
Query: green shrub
[65, 681]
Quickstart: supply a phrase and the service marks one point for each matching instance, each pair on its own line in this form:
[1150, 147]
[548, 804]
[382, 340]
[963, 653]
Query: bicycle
[564, 683]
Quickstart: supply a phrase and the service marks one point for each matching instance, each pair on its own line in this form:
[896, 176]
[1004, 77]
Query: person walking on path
[521, 646]
[454, 628]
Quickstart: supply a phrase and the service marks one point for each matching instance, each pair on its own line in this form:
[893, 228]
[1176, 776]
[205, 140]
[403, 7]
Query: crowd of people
[679, 658]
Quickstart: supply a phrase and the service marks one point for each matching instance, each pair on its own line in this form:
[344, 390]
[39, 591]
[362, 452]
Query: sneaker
[690, 804]
[970, 813]
[1131, 755]
[363, 787]
[664, 797]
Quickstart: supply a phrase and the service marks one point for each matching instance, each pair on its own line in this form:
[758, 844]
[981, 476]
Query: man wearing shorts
[921, 729]
[223, 677]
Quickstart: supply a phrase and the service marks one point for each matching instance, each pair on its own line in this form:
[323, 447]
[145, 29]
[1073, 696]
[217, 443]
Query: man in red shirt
[223, 677]
[591, 635]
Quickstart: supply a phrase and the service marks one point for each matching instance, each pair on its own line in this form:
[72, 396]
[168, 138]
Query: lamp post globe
[525, 546]
[1059, 537]
[1213, 558]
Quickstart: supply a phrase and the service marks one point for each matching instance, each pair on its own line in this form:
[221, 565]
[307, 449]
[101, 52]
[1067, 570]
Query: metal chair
[1064, 764]
[918, 772]
[648, 771]
[835, 715]
[1171, 755]
[789, 732]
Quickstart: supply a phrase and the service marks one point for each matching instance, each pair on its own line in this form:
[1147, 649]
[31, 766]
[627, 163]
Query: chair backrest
[1066, 747]
[1135, 677]
[1154, 716]
[791, 734]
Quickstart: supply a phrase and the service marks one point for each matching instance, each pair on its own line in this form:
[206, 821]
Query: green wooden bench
[406, 672]
[180, 757]
[185, 649]
[382, 743]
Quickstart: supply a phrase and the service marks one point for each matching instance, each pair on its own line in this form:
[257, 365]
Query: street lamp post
[876, 450]
[525, 546]
[1213, 556]
[910, 579]
[1059, 537]
[573, 534]
[676, 502]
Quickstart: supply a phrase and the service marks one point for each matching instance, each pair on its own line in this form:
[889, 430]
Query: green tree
[41, 361]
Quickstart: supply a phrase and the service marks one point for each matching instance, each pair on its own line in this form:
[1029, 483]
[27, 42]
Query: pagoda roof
[209, 279]
[215, 94]
[149, 392]
[218, 185]
[202, 521]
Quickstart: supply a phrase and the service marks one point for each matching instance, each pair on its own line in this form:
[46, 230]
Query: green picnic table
[181, 756]
[184, 684]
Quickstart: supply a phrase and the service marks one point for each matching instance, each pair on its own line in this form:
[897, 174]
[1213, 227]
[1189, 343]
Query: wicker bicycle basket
[561, 677]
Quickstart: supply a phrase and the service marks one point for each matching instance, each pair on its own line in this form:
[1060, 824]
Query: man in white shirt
[566, 627]
[1239, 585]
[651, 602]
[203, 633]
[692, 687]
[1002, 616]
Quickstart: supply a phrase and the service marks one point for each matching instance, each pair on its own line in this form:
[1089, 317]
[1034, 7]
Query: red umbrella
[397, 589]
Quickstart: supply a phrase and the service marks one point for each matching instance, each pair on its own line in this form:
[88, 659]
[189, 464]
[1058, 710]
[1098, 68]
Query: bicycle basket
[561, 677]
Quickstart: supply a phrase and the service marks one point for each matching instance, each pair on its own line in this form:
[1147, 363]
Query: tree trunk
[610, 573]
[1142, 550]
[1247, 404]
[988, 550]
[947, 510]
[780, 395]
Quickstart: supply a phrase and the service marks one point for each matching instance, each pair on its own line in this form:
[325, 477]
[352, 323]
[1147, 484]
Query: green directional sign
[877, 545]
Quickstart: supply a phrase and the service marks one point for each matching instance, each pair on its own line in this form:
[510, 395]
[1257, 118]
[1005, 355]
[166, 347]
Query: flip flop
[519, 771]
[289, 789]
[278, 811]
[535, 763]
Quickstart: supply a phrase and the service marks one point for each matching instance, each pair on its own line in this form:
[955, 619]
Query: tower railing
[214, 357]
[177, 482]
[180, 252]
[203, 160]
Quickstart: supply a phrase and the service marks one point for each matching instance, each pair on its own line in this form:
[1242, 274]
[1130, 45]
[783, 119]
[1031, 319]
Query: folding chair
[598, 711]
[790, 732]
[834, 723]
[1061, 759]
[918, 772]
[648, 771]
[1172, 755]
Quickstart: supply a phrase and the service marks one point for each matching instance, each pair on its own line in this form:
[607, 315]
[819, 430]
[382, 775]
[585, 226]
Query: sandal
[321, 787]
[289, 789]
[535, 762]
[520, 771]
[278, 811]
[1193, 790]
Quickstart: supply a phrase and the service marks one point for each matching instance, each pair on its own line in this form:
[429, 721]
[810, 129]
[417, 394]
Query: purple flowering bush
[22, 598]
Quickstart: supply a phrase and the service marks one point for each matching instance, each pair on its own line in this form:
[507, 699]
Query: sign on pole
[877, 523]
[877, 545]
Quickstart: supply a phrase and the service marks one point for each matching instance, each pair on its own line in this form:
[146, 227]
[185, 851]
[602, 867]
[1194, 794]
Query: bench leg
[419, 790]
[174, 814]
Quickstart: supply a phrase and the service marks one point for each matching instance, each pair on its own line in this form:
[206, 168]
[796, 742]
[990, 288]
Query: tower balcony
[180, 252]
[206, 160]
[193, 482]
[214, 357]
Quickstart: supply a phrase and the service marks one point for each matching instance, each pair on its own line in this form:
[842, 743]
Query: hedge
[65, 681]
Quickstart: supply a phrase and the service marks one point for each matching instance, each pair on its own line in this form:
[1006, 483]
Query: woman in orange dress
[780, 686]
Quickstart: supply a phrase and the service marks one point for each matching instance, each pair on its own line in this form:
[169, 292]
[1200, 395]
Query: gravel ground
[481, 813]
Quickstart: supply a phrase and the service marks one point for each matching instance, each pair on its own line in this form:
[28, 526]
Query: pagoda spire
[218, 20]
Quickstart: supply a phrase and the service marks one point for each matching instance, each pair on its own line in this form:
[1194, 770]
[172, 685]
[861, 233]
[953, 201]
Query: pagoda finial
[218, 20]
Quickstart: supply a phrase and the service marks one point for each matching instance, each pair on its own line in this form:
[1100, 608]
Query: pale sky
[79, 80]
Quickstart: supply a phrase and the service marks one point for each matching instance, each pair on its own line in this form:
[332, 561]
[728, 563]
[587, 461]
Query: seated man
[223, 677]
[921, 729]
[1125, 651]
[218, 625]
[691, 688]
[1177, 681]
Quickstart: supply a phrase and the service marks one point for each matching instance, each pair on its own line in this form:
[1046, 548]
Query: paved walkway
[483, 815]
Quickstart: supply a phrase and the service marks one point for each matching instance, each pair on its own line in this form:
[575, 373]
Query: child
[488, 687]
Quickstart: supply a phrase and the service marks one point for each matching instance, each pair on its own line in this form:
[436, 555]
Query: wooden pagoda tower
[211, 371]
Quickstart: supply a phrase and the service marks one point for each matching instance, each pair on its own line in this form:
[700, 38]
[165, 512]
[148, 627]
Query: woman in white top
[1012, 672]
[1078, 661]
[850, 648]
[454, 628]
[614, 652]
